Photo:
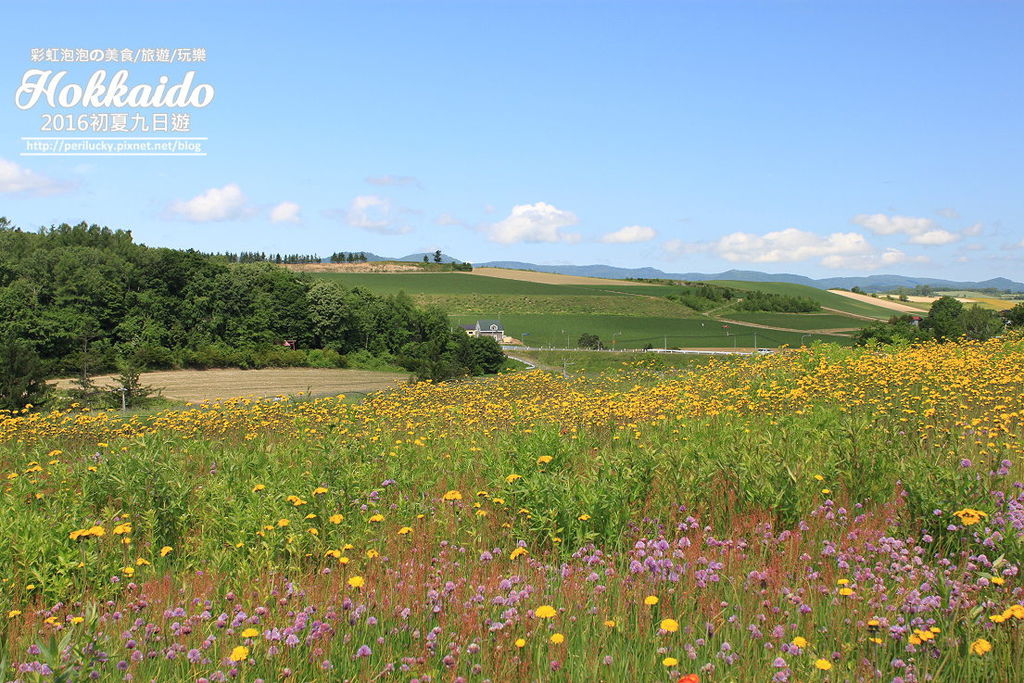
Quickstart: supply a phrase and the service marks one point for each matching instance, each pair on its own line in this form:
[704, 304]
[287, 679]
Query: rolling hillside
[543, 309]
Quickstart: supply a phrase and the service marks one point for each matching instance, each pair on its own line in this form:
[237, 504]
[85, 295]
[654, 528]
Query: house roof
[486, 324]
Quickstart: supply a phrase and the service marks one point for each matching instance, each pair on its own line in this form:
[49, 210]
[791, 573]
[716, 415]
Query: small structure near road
[486, 328]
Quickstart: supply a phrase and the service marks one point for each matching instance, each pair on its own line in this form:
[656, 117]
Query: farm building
[486, 328]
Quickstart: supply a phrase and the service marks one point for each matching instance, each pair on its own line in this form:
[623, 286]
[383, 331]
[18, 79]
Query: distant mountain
[445, 258]
[869, 283]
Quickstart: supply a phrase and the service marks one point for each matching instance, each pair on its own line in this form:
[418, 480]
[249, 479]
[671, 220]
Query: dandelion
[799, 642]
[258, 487]
[545, 612]
[240, 653]
[520, 642]
[13, 613]
[283, 522]
[669, 625]
[165, 551]
[669, 662]
[405, 530]
[452, 495]
[517, 553]
[376, 519]
[651, 600]
[544, 459]
[250, 633]
[335, 519]
[356, 581]
[822, 664]
[557, 639]
[512, 477]
[319, 490]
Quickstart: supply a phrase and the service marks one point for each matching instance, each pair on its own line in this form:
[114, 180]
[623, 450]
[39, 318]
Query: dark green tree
[944, 319]
[21, 375]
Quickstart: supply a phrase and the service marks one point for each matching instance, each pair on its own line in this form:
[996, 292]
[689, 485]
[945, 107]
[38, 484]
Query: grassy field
[547, 330]
[202, 385]
[819, 296]
[799, 321]
[591, 362]
[830, 514]
[546, 308]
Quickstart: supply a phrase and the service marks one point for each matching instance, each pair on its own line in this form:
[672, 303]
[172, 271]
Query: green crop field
[799, 321]
[450, 283]
[820, 296]
[635, 333]
[635, 315]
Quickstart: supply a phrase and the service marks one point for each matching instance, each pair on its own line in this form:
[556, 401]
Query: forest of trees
[85, 299]
[947, 319]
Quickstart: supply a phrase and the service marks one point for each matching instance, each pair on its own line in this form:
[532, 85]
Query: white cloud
[285, 212]
[948, 212]
[538, 222]
[873, 261]
[373, 213]
[935, 238]
[788, 245]
[974, 230]
[18, 180]
[216, 204]
[448, 219]
[393, 180]
[629, 235]
[369, 212]
[881, 224]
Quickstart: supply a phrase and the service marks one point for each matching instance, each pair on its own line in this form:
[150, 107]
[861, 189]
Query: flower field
[828, 514]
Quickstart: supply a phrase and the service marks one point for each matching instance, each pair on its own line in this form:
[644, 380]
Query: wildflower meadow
[823, 514]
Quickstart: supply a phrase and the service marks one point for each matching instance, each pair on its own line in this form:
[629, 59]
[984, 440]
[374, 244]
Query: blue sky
[821, 138]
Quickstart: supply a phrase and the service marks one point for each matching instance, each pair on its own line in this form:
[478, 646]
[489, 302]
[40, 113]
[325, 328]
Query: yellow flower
[250, 633]
[239, 654]
[969, 516]
[142, 562]
[843, 582]
[405, 530]
[516, 553]
[846, 591]
[823, 664]
[998, 580]
[283, 522]
[452, 495]
[165, 550]
[826, 492]
[670, 625]
[258, 487]
[651, 600]
[377, 518]
[335, 519]
[557, 638]
[799, 642]
[981, 647]
[669, 661]
[520, 642]
[333, 553]
[13, 613]
[319, 490]
[512, 477]
[77, 620]
[128, 571]
[544, 459]
[583, 517]
[545, 612]
[610, 623]
[356, 581]
[371, 553]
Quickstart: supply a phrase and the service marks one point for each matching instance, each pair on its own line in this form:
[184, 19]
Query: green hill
[822, 297]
